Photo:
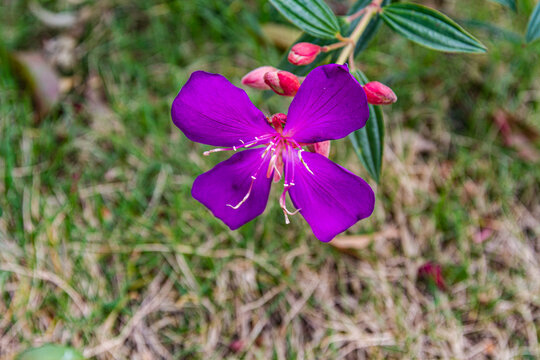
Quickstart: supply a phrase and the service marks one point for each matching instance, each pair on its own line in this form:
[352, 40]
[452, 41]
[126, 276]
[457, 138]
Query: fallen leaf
[517, 135]
[51, 19]
[236, 346]
[40, 78]
[359, 242]
[482, 235]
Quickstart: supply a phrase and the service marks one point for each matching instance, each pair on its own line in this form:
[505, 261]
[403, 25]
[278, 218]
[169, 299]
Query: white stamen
[271, 165]
[206, 153]
[245, 197]
[266, 150]
[277, 170]
[286, 212]
[303, 162]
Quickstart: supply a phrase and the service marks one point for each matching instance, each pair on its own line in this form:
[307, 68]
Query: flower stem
[348, 52]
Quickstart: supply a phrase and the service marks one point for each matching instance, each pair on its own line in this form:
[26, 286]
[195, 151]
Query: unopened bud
[379, 94]
[303, 53]
[278, 120]
[322, 148]
[255, 78]
[282, 82]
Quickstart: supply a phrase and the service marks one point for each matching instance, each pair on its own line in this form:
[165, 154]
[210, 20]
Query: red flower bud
[432, 272]
[303, 53]
[379, 94]
[255, 78]
[322, 148]
[282, 82]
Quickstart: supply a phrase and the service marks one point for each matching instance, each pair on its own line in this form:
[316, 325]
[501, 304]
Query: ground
[103, 248]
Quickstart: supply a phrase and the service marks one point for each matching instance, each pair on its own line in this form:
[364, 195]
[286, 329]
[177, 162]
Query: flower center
[280, 152]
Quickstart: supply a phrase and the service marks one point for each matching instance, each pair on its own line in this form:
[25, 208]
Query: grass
[103, 248]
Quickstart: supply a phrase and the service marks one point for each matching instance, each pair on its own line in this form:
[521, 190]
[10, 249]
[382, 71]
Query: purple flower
[329, 105]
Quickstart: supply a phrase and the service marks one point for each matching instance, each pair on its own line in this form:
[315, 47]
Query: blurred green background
[103, 249]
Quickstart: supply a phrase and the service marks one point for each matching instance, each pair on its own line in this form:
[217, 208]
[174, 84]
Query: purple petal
[329, 105]
[229, 182]
[211, 110]
[330, 198]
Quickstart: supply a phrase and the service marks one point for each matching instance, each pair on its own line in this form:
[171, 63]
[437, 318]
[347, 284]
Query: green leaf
[533, 29]
[346, 30]
[509, 3]
[50, 352]
[430, 28]
[312, 16]
[371, 29]
[368, 142]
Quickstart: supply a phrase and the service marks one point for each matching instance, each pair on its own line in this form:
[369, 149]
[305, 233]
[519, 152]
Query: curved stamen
[289, 182]
[272, 165]
[303, 162]
[256, 141]
[254, 177]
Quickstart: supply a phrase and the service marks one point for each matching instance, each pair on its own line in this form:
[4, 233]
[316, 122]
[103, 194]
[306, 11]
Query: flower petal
[228, 183]
[330, 198]
[210, 110]
[330, 104]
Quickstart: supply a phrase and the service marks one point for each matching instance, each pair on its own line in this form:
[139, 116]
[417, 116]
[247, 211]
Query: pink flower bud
[282, 82]
[303, 53]
[379, 94]
[322, 148]
[255, 78]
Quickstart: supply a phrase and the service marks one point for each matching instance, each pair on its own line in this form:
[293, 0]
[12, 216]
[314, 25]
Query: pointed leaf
[533, 29]
[368, 142]
[41, 79]
[312, 16]
[509, 3]
[430, 28]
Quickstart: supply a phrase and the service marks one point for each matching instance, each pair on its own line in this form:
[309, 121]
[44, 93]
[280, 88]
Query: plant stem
[348, 52]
